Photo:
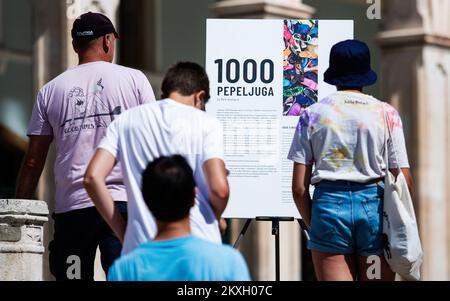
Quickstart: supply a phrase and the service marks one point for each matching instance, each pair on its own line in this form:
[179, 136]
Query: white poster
[263, 74]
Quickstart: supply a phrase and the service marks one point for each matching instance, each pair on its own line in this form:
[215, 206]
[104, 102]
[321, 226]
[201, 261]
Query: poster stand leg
[276, 232]
[242, 233]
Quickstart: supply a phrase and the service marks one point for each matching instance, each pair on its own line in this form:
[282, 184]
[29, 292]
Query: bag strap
[386, 141]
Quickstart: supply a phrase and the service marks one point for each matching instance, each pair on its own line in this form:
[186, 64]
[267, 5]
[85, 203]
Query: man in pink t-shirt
[74, 110]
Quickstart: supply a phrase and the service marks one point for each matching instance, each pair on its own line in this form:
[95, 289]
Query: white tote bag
[403, 251]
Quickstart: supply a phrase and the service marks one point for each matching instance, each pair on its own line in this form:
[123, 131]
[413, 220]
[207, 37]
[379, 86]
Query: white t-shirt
[164, 128]
[76, 108]
[343, 136]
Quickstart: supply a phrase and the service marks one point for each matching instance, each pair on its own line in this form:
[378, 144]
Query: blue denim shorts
[346, 218]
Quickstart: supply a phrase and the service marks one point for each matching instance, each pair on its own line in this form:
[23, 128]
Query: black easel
[275, 231]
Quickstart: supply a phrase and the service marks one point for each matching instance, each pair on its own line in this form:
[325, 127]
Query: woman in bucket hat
[339, 148]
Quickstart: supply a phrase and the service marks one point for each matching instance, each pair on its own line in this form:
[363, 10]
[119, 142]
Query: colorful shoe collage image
[300, 66]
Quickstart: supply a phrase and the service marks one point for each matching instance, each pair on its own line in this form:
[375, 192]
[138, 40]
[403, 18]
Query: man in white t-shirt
[175, 125]
[74, 110]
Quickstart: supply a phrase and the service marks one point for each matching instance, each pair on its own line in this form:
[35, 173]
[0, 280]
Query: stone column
[21, 239]
[75, 8]
[49, 57]
[416, 79]
[258, 246]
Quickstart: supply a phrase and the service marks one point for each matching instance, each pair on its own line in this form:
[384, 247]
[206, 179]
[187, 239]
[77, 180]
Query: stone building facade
[411, 50]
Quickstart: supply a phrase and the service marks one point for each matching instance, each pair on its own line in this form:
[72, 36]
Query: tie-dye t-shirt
[343, 136]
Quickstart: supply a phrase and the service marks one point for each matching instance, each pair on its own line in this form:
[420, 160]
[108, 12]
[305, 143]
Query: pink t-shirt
[76, 108]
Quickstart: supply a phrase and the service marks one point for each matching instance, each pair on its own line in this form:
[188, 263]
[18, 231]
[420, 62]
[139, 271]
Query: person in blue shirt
[168, 188]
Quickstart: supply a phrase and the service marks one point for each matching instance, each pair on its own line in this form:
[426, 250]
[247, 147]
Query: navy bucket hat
[350, 65]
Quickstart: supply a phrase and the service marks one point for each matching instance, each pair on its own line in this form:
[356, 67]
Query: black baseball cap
[91, 26]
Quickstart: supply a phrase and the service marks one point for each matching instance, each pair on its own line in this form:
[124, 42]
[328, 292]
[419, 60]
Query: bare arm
[32, 167]
[409, 179]
[219, 191]
[300, 190]
[99, 168]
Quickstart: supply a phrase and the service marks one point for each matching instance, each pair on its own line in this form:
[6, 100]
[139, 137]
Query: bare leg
[374, 269]
[334, 267]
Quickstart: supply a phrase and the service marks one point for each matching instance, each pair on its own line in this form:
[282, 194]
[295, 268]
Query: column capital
[21, 223]
[415, 22]
[293, 9]
[21, 239]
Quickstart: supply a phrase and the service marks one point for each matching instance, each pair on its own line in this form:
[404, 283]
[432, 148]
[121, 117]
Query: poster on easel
[263, 74]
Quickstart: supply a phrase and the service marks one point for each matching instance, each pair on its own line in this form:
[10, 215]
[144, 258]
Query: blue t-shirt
[182, 259]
